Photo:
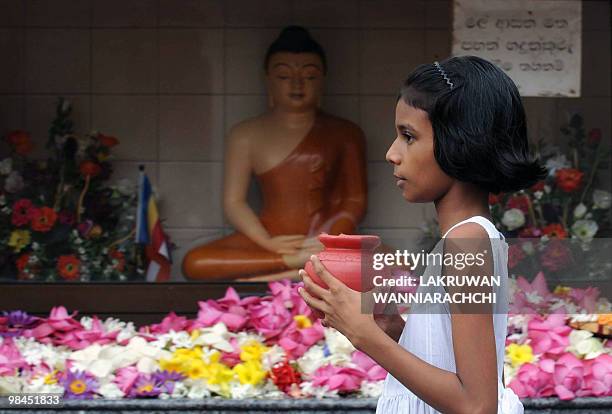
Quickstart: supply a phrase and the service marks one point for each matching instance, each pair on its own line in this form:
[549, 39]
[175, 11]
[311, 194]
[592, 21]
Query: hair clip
[443, 73]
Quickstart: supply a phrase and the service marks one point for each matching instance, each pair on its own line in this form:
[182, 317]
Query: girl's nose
[392, 155]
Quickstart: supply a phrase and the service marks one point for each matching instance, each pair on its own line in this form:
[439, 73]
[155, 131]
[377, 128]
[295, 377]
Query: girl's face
[295, 80]
[412, 154]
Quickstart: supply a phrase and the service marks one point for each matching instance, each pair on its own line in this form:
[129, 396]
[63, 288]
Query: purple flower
[166, 379]
[79, 385]
[15, 322]
[145, 386]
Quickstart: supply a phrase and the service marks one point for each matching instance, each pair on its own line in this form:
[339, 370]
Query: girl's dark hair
[295, 39]
[479, 126]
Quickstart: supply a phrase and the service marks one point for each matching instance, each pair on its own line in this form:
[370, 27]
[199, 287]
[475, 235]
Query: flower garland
[273, 347]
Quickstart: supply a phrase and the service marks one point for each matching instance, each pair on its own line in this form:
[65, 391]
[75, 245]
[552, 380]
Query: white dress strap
[488, 225]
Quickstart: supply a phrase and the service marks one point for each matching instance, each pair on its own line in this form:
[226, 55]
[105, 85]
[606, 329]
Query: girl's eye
[407, 137]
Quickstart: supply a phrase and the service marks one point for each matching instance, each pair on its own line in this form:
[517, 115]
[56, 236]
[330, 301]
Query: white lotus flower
[312, 359]
[272, 356]
[372, 389]
[513, 218]
[216, 336]
[583, 344]
[338, 343]
[602, 199]
[11, 385]
[580, 210]
[585, 230]
[110, 390]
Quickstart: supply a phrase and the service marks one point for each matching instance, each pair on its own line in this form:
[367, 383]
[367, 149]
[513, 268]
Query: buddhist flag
[149, 233]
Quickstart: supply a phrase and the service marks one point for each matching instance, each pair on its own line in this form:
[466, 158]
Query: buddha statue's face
[295, 80]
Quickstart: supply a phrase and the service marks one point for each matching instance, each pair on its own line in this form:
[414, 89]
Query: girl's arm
[473, 388]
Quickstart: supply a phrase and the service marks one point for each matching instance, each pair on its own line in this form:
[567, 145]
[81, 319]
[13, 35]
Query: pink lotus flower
[125, 378]
[10, 358]
[550, 335]
[58, 322]
[172, 322]
[534, 380]
[569, 377]
[269, 317]
[296, 341]
[598, 375]
[286, 292]
[82, 338]
[342, 379]
[530, 296]
[230, 310]
[373, 371]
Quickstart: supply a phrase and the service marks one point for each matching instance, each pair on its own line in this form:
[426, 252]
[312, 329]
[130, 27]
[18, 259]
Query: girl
[461, 134]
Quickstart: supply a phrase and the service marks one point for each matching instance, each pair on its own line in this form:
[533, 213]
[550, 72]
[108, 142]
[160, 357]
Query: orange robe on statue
[321, 186]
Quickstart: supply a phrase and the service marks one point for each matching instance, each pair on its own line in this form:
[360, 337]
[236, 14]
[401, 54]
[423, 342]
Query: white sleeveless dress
[428, 335]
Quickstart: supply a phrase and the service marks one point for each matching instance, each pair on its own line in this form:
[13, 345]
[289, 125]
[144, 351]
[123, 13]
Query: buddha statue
[310, 167]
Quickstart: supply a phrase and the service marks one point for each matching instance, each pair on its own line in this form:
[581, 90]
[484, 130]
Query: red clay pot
[343, 256]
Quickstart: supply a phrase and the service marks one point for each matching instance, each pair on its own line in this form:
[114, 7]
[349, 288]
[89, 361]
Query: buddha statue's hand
[309, 247]
[284, 244]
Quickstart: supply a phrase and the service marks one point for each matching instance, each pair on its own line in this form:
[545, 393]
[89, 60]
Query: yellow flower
[302, 321]
[19, 239]
[519, 354]
[195, 334]
[562, 290]
[174, 365]
[250, 372]
[217, 373]
[252, 350]
[197, 369]
[50, 378]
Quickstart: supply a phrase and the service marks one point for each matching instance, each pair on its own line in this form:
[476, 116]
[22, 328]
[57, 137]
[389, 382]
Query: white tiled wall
[170, 77]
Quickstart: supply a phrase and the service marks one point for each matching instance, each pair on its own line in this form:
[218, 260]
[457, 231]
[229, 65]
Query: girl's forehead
[408, 113]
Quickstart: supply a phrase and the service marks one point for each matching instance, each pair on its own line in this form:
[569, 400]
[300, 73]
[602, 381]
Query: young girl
[461, 134]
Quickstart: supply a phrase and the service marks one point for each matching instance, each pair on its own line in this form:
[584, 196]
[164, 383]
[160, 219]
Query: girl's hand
[340, 304]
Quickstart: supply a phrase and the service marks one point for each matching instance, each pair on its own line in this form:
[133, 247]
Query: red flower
[568, 179]
[22, 262]
[22, 212]
[594, 136]
[90, 168]
[539, 186]
[119, 258]
[520, 201]
[43, 219]
[555, 230]
[21, 141]
[515, 255]
[69, 267]
[107, 141]
[494, 199]
[284, 375]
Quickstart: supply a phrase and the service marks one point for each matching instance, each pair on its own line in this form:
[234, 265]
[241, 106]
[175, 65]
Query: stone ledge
[310, 406]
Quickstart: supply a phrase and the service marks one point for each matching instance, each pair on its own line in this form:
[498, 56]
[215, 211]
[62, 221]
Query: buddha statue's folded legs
[229, 258]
